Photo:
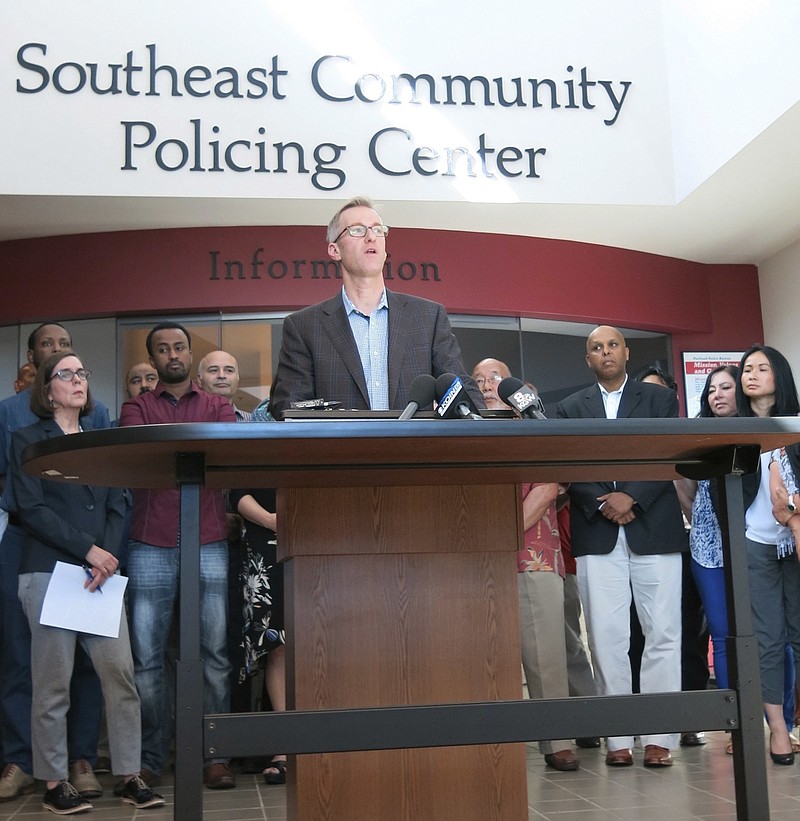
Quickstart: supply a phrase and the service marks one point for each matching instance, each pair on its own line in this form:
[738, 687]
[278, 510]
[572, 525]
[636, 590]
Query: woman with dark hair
[656, 375]
[766, 388]
[78, 525]
[264, 638]
[718, 399]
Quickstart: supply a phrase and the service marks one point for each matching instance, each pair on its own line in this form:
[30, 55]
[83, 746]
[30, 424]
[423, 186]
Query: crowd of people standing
[611, 549]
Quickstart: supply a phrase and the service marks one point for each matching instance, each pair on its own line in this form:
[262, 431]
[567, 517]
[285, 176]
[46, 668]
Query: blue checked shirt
[371, 334]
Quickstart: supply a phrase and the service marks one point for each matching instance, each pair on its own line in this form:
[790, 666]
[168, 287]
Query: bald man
[25, 376]
[488, 374]
[628, 538]
[218, 372]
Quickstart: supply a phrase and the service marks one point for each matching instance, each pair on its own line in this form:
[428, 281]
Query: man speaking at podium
[364, 347]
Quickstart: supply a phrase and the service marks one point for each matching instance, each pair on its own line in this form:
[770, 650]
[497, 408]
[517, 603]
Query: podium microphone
[421, 393]
[454, 401]
[526, 403]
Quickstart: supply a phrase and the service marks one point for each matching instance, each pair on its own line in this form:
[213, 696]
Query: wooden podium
[400, 596]
[399, 542]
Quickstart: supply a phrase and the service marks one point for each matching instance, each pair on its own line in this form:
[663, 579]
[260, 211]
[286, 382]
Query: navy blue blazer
[319, 358]
[658, 526]
[62, 520]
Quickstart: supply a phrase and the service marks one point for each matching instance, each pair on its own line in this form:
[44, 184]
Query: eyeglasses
[67, 375]
[361, 231]
[480, 382]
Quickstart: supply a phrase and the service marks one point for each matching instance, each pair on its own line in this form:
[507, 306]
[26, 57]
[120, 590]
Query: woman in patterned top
[718, 399]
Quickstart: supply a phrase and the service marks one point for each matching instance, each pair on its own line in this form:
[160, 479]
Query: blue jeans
[83, 721]
[710, 583]
[152, 589]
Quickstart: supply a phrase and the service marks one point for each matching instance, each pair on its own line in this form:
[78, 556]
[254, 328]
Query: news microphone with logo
[421, 393]
[525, 402]
[454, 401]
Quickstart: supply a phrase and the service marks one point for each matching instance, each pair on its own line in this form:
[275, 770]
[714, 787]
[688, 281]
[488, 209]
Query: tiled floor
[698, 786]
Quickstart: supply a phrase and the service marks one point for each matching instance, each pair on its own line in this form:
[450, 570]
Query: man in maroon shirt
[153, 559]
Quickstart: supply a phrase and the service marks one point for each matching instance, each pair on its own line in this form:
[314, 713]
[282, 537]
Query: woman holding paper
[80, 526]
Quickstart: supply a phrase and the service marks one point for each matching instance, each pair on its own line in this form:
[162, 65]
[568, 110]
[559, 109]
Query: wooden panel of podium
[403, 596]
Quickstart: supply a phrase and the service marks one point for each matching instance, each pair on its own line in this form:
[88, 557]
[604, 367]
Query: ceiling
[748, 211]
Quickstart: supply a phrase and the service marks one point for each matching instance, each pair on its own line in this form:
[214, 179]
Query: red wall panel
[704, 307]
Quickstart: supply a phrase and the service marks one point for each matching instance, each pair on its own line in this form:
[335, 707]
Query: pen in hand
[90, 576]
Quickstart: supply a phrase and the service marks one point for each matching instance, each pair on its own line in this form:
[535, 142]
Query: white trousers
[606, 583]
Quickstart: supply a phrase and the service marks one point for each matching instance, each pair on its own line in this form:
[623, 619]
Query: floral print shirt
[541, 552]
[705, 537]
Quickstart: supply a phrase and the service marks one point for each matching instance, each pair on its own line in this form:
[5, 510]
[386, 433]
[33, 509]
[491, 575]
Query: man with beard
[141, 377]
[153, 559]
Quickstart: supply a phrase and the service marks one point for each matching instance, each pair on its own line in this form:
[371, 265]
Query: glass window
[253, 339]
[549, 353]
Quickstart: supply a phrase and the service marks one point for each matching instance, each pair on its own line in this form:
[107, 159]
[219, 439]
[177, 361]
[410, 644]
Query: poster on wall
[696, 368]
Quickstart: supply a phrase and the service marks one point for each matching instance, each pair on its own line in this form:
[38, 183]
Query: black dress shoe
[693, 739]
[588, 742]
[785, 759]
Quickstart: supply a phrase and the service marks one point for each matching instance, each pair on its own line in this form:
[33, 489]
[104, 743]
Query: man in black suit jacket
[365, 346]
[628, 537]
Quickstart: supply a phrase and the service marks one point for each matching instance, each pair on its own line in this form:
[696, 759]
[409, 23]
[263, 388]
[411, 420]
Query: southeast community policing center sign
[269, 102]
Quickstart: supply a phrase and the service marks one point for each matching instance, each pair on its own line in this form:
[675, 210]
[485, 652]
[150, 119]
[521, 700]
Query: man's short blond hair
[356, 202]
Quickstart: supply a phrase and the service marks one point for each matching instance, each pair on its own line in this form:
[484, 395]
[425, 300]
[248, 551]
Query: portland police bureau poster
[696, 368]
[419, 101]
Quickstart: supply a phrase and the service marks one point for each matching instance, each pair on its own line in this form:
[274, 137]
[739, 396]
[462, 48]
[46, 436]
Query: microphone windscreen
[509, 386]
[443, 384]
[422, 390]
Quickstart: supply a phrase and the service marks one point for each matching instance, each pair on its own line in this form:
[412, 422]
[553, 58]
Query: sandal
[278, 777]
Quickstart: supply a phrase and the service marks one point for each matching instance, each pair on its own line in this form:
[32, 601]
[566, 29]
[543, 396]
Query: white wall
[779, 282]
[592, 156]
[721, 95]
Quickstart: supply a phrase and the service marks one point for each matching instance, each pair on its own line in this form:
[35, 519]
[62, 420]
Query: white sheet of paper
[68, 604]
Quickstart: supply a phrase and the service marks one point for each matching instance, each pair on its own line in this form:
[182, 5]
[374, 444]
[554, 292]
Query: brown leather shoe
[564, 761]
[655, 756]
[218, 777]
[619, 758]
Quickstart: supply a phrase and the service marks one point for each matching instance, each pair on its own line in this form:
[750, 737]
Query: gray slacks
[52, 660]
[544, 656]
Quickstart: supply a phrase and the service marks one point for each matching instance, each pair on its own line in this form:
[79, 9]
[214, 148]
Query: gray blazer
[658, 526]
[319, 358]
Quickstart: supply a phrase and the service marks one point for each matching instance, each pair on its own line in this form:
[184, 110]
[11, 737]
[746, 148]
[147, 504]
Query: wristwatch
[791, 506]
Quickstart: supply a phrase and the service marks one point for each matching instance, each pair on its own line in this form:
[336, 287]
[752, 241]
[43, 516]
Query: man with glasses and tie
[366, 345]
